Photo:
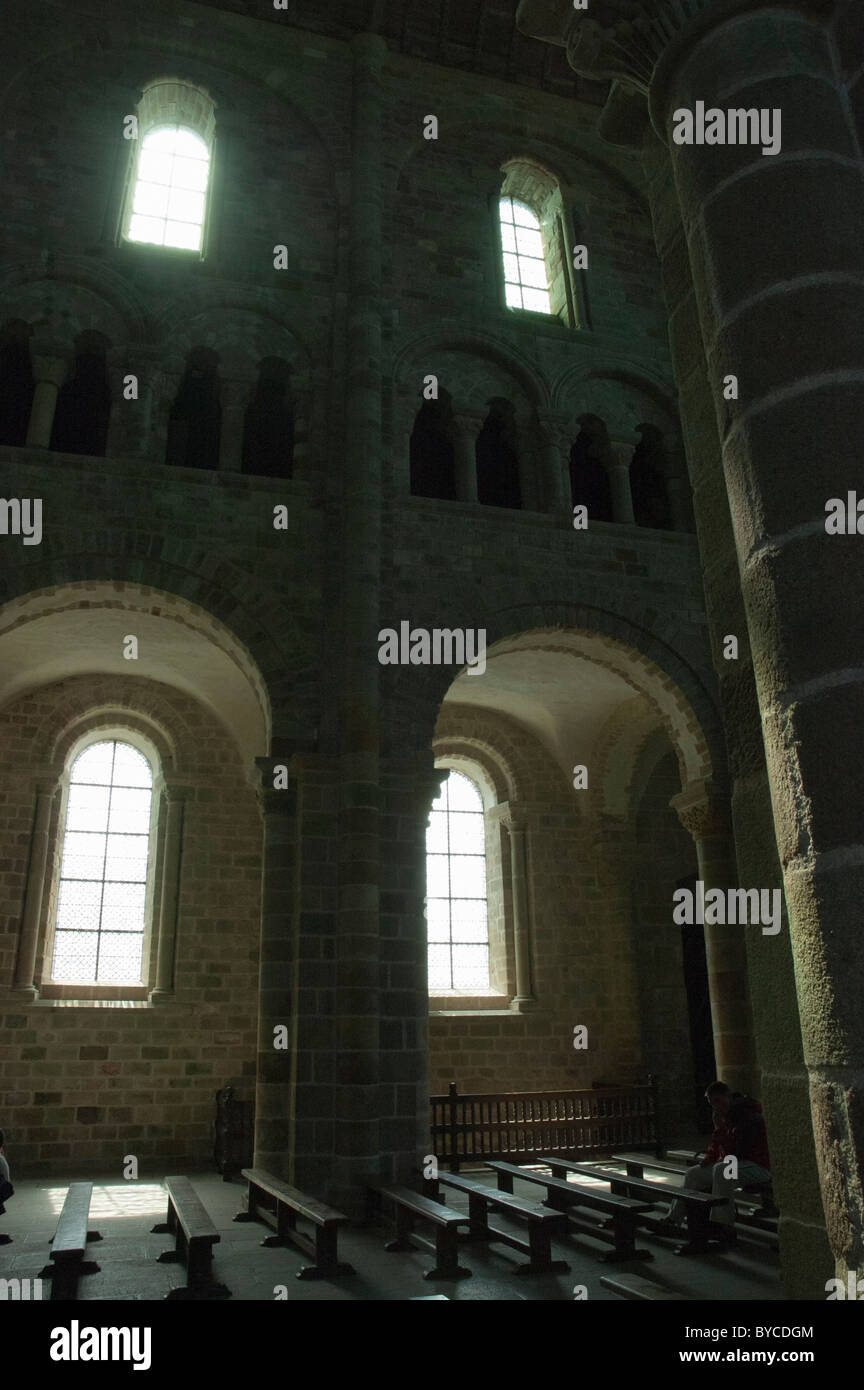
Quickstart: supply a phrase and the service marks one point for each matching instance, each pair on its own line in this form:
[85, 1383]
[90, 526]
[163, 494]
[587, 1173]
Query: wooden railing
[525, 1124]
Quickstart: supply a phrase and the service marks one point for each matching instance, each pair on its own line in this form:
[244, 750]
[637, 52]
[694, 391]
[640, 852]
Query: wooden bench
[698, 1205]
[194, 1237]
[562, 1195]
[634, 1286]
[411, 1206]
[69, 1244]
[290, 1203]
[762, 1208]
[542, 1223]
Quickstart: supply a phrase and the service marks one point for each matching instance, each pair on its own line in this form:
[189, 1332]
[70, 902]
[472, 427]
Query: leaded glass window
[526, 279]
[101, 903]
[458, 936]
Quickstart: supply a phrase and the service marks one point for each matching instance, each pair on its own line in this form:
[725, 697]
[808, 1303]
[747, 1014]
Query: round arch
[83, 628]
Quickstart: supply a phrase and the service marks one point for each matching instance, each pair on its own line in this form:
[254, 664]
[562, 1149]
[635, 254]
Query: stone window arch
[536, 242]
[94, 874]
[167, 191]
[505, 915]
[104, 884]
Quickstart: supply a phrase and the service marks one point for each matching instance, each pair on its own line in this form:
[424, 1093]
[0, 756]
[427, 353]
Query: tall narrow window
[166, 201]
[99, 927]
[458, 934]
[526, 279]
[170, 189]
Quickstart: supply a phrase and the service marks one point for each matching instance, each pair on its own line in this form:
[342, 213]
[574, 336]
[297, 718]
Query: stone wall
[84, 1083]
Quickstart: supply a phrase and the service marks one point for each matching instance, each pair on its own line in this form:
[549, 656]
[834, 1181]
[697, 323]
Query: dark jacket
[741, 1133]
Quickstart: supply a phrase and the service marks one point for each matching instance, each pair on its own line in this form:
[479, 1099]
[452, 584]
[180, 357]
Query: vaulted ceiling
[478, 35]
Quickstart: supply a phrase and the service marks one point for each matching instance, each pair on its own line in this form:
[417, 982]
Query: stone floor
[124, 1212]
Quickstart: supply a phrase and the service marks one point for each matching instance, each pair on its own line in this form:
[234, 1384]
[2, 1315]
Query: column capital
[702, 809]
[630, 41]
[173, 791]
[50, 362]
[555, 427]
[467, 422]
[513, 816]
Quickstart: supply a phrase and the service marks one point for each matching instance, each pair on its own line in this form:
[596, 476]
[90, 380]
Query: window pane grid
[526, 282]
[168, 201]
[457, 932]
[99, 927]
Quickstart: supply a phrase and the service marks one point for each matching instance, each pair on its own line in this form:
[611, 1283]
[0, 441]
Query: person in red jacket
[739, 1133]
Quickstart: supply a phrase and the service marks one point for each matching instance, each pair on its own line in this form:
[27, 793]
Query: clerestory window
[526, 278]
[166, 202]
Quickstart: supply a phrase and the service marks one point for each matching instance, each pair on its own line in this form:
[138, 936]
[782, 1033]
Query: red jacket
[742, 1133]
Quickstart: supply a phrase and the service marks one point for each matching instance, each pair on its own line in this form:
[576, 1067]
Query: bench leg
[624, 1227]
[447, 1256]
[327, 1262]
[404, 1229]
[540, 1249]
[199, 1258]
[505, 1182]
[697, 1232]
[478, 1217]
[249, 1213]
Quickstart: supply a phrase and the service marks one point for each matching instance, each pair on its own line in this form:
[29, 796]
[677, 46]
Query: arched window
[458, 936]
[526, 278]
[100, 920]
[167, 198]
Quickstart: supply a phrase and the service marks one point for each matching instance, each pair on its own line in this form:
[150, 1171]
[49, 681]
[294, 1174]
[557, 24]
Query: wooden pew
[562, 1195]
[411, 1206]
[69, 1244]
[697, 1205]
[194, 1237]
[757, 1198]
[542, 1223]
[289, 1204]
[634, 1286]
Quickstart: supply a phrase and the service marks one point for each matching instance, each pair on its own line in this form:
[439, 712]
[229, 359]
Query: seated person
[5, 1184]
[740, 1133]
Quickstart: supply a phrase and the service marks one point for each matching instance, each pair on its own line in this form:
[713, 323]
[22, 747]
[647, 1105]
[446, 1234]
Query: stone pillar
[516, 822]
[234, 394]
[619, 479]
[278, 977]
[466, 426]
[555, 443]
[359, 1105]
[175, 804]
[706, 816]
[799, 272]
[31, 920]
[50, 369]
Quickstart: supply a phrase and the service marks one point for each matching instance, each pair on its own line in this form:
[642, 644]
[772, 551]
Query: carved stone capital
[629, 40]
[703, 810]
[554, 429]
[466, 424]
[514, 818]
